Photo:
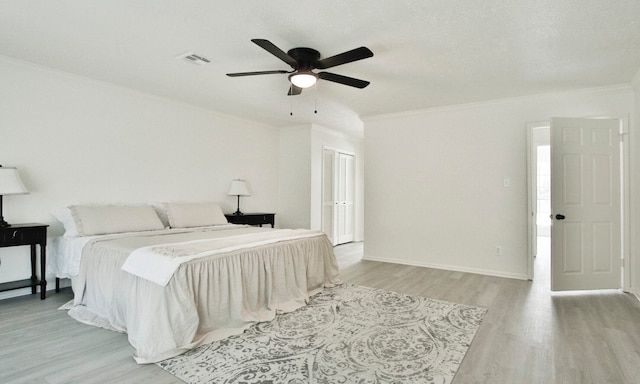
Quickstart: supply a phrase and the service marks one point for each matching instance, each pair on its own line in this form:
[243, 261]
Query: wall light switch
[506, 182]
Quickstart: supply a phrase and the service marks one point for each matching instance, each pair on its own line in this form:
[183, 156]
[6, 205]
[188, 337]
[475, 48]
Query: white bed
[248, 275]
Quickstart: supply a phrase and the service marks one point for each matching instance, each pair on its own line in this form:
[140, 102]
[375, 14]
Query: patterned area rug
[347, 334]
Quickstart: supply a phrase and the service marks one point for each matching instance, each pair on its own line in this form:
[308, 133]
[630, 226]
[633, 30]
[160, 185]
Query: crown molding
[606, 89]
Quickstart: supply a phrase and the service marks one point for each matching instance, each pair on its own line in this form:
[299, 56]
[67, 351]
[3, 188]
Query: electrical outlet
[498, 250]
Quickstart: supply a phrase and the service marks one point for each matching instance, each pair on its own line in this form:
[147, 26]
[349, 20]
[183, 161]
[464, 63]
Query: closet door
[328, 194]
[345, 179]
[338, 196]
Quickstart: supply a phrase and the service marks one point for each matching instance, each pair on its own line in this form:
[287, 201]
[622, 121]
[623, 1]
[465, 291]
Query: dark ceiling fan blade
[293, 90]
[238, 74]
[344, 58]
[277, 52]
[350, 81]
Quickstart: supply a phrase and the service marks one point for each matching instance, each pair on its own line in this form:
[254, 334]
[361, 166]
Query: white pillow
[64, 216]
[186, 215]
[105, 219]
[161, 210]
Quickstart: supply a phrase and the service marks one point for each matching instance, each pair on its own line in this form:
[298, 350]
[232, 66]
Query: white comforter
[158, 263]
[207, 298]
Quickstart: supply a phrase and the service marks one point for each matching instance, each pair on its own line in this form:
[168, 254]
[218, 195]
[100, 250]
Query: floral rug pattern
[346, 334]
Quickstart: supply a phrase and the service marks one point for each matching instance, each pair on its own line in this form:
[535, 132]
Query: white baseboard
[478, 271]
[16, 293]
[51, 286]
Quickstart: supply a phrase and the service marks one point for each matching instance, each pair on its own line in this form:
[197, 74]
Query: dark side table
[32, 235]
[252, 218]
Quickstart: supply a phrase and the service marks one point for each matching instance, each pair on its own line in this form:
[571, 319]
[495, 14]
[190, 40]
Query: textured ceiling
[428, 53]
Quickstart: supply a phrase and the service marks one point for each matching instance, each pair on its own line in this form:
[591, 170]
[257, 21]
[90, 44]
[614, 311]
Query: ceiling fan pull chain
[315, 88]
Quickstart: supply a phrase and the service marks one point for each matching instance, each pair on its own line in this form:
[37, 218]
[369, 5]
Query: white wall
[76, 140]
[295, 164]
[434, 193]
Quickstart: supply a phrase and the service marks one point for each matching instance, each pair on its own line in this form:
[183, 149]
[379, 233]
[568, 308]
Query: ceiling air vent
[194, 58]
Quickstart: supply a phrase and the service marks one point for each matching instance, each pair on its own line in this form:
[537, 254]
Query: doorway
[574, 174]
[539, 169]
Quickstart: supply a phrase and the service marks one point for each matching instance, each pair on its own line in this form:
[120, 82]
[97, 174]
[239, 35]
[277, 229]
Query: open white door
[585, 204]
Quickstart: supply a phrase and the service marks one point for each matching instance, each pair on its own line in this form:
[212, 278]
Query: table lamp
[238, 188]
[10, 184]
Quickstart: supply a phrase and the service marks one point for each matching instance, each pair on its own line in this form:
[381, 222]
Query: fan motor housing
[306, 57]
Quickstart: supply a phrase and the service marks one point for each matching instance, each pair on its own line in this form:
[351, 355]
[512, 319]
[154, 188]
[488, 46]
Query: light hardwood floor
[529, 335]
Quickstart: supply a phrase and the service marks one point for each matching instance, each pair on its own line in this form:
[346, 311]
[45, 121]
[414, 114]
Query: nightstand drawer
[12, 236]
[257, 219]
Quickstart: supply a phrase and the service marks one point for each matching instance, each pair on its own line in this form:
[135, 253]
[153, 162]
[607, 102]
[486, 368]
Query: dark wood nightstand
[27, 234]
[252, 218]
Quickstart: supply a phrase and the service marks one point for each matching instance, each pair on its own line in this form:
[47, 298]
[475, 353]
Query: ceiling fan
[304, 60]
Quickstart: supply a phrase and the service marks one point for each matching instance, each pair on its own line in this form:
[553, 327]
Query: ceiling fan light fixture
[303, 79]
[303, 61]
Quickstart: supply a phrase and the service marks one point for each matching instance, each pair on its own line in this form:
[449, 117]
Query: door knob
[559, 217]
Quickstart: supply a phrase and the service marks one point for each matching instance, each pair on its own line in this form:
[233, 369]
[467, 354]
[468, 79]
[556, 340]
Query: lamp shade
[239, 188]
[10, 182]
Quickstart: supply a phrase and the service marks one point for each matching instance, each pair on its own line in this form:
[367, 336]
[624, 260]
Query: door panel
[572, 170]
[603, 246]
[572, 234]
[328, 194]
[585, 189]
[602, 169]
[346, 196]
